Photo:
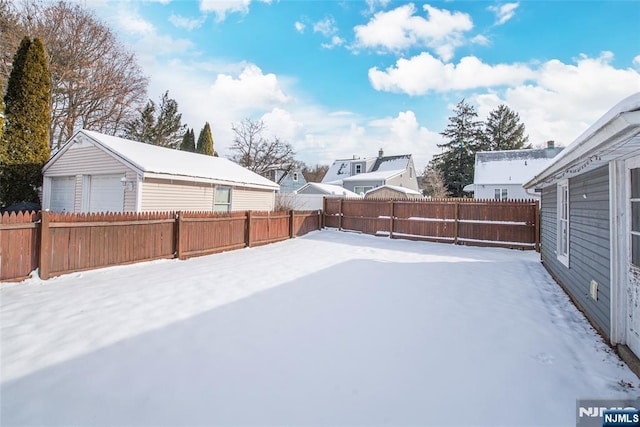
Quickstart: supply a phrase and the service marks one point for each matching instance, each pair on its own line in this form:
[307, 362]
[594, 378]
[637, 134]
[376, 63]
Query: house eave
[616, 139]
[185, 178]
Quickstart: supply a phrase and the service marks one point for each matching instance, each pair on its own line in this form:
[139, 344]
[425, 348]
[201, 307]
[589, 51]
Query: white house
[500, 174]
[311, 195]
[361, 175]
[94, 172]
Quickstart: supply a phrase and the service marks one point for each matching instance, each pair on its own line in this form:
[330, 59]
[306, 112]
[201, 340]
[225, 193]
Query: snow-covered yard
[328, 329]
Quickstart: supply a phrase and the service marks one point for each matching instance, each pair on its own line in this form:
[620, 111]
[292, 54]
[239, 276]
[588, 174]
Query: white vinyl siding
[249, 199]
[563, 222]
[635, 217]
[159, 195]
[85, 160]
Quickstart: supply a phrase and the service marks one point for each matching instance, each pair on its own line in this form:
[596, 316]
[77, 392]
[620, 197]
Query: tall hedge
[25, 144]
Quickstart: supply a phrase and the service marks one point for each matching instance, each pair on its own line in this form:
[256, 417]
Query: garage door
[63, 191]
[106, 193]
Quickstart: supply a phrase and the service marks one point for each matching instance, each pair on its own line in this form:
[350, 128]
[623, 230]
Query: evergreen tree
[504, 131]
[188, 141]
[205, 141]
[25, 145]
[157, 125]
[465, 137]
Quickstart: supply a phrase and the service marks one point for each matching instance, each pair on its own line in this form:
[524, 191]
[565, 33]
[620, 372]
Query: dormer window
[358, 168]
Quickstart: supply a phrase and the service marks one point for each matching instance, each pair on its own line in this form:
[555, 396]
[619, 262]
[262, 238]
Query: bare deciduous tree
[96, 83]
[433, 183]
[314, 173]
[257, 153]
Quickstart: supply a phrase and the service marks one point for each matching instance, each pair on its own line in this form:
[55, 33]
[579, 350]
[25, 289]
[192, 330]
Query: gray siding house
[361, 175]
[289, 179]
[590, 223]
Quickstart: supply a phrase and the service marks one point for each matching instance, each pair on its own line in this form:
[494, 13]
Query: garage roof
[151, 160]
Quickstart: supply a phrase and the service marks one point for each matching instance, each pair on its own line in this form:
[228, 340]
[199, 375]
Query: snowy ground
[329, 329]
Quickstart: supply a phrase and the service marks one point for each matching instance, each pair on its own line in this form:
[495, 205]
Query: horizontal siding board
[248, 199]
[589, 247]
[85, 161]
[159, 195]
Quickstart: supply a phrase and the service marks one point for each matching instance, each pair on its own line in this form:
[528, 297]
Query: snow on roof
[334, 190]
[392, 163]
[374, 176]
[584, 143]
[404, 190]
[153, 159]
[511, 166]
[338, 170]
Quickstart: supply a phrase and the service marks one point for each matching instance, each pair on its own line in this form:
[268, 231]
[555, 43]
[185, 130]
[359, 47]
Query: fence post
[292, 217]
[324, 212]
[537, 222]
[178, 235]
[320, 220]
[45, 245]
[391, 215]
[340, 214]
[455, 223]
[247, 238]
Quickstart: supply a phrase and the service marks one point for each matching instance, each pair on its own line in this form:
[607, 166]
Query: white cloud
[279, 122]
[251, 89]
[377, 4]
[130, 21]
[222, 7]
[299, 26]
[400, 29]
[424, 73]
[481, 40]
[327, 26]
[636, 61]
[335, 41]
[188, 24]
[504, 12]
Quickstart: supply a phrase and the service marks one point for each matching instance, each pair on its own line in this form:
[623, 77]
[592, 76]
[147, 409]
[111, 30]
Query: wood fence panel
[510, 223]
[19, 244]
[269, 227]
[81, 242]
[209, 232]
[305, 222]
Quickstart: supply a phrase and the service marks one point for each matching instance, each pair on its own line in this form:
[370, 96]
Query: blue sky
[344, 78]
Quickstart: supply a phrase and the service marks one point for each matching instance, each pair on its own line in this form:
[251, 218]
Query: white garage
[94, 172]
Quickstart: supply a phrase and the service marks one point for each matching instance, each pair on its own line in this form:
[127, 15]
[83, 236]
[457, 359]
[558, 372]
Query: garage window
[63, 194]
[222, 201]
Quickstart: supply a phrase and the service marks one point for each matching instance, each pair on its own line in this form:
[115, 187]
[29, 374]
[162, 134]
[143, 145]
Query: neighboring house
[94, 172]
[392, 192]
[500, 174]
[311, 196]
[289, 180]
[362, 175]
[590, 223]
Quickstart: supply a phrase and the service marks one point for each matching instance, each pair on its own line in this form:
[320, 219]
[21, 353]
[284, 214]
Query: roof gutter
[590, 143]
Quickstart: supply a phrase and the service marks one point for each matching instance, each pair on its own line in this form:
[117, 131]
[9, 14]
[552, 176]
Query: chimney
[380, 154]
[551, 144]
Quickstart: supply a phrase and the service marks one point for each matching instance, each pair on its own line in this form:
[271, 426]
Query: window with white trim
[361, 189]
[500, 194]
[563, 222]
[222, 201]
[295, 177]
[358, 168]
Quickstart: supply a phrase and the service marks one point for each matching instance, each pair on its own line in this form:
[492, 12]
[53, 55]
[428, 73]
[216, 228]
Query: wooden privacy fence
[511, 224]
[64, 243]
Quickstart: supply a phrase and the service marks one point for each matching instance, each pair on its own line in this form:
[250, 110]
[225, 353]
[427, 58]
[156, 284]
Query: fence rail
[511, 224]
[63, 243]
